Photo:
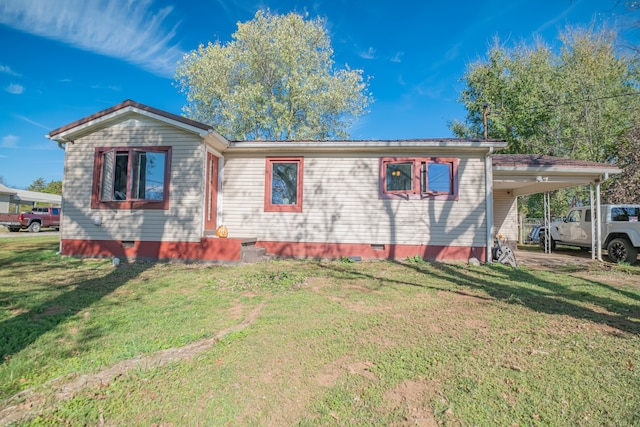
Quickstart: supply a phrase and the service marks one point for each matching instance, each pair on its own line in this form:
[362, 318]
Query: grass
[333, 343]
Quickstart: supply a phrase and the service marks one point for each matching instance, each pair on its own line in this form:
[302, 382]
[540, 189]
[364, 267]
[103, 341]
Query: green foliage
[579, 102]
[576, 103]
[275, 81]
[42, 186]
[416, 259]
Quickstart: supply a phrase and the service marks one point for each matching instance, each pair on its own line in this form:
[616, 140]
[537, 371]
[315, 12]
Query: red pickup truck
[33, 221]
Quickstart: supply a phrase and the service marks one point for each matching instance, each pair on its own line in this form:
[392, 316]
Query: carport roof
[30, 196]
[533, 173]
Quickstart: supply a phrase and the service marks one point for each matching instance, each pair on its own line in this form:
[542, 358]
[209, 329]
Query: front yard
[314, 343]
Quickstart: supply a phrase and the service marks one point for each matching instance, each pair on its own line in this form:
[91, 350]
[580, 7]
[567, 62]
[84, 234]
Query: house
[142, 182]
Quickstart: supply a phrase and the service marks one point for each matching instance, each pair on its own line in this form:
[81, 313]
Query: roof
[122, 106]
[364, 145]
[34, 196]
[30, 196]
[540, 161]
[534, 173]
[6, 190]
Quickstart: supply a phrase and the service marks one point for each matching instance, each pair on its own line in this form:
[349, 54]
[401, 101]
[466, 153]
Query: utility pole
[485, 113]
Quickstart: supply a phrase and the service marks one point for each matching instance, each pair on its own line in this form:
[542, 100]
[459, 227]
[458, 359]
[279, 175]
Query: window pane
[120, 177]
[148, 181]
[625, 214]
[399, 177]
[106, 184]
[439, 177]
[284, 183]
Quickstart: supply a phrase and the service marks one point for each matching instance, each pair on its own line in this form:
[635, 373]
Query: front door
[211, 193]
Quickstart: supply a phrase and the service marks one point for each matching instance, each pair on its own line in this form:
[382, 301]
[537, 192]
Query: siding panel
[341, 204]
[181, 222]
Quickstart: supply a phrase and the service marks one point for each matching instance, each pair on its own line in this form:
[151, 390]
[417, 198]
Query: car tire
[552, 245]
[620, 250]
[34, 227]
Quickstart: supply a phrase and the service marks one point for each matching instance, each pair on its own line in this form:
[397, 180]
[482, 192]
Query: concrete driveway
[26, 234]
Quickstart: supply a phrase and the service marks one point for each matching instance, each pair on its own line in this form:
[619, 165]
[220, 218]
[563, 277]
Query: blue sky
[61, 60]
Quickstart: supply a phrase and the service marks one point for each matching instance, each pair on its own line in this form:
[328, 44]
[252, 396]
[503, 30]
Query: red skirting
[207, 249]
[365, 251]
[214, 249]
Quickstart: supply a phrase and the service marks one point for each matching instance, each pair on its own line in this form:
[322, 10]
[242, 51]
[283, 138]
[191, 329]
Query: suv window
[574, 216]
[625, 214]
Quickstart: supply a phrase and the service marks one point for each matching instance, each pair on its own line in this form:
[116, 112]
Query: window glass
[587, 215]
[624, 214]
[120, 176]
[574, 216]
[149, 175]
[284, 184]
[399, 176]
[439, 177]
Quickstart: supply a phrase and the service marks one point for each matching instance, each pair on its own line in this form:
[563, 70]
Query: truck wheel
[34, 227]
[620, 250]
[552, 242]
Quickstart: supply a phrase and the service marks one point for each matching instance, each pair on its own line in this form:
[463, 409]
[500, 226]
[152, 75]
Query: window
[419, 178]
[131, 178]
[625, 214]
[283, 184]
[574, 216]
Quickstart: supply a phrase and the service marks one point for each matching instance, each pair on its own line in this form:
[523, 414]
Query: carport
[13, 195]
[523, 174]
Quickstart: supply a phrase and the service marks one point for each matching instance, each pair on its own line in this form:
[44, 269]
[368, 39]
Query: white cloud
[9, 141]
[397, 57]
[7, 70]
[129, 30]
[108, 87]
[32, 122]
[368, 54]
[15, 88]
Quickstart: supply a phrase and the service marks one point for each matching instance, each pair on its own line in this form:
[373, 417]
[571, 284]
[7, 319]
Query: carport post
[598, 222]
[593, 224]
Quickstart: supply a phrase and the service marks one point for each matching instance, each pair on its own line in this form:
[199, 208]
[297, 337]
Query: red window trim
[270, 207]
[415, 193]
[96, 203]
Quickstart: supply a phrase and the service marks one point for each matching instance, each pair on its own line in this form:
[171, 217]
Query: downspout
[488, 186]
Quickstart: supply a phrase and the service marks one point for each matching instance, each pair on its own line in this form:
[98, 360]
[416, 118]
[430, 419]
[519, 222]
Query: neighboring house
[17, 197]
[161, 184]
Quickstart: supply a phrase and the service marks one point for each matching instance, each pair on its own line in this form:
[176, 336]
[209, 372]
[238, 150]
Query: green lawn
[314, 343]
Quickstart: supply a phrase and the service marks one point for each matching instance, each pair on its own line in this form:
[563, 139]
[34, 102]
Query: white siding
[4, 203]
[505, 215]
[181, 222]
[341, 204]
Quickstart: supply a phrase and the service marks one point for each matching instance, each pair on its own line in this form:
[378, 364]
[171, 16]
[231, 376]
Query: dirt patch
[29, 403]
[412, 398]
[53, 310]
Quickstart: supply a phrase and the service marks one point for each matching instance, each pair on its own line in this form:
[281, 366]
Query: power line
[575, 102]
